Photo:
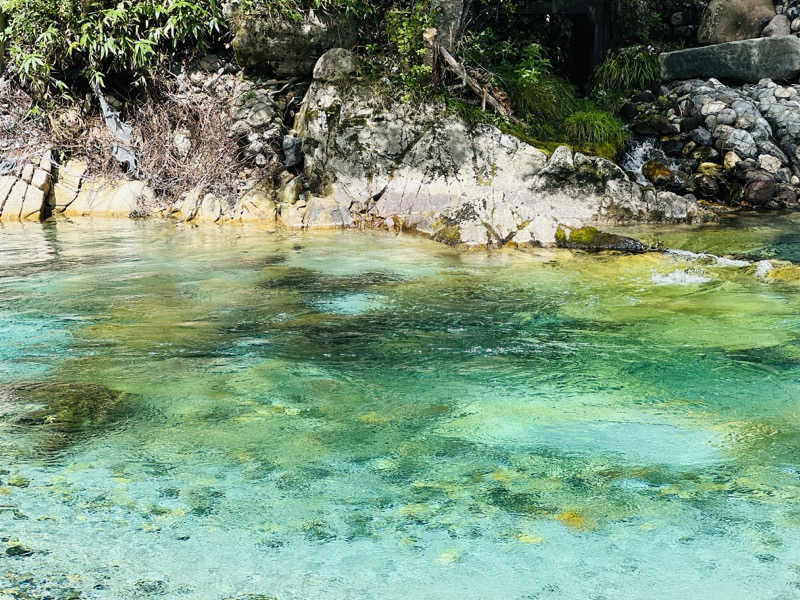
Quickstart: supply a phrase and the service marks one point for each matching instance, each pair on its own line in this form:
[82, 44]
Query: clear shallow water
[208, 414]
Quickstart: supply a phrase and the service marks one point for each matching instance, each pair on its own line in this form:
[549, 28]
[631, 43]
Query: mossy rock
[591, 238]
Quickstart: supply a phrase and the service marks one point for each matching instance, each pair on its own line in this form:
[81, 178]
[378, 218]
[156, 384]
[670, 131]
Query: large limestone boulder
[284, 47]
[419, 169]
[776, 58]
[732, 20]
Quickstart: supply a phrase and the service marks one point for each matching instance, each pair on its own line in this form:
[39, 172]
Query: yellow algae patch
[575, 520]
[373, 418]
[4, 491]
[786, 274]
[448, 557]
[504, 475]
[417, 510]
[529, 538]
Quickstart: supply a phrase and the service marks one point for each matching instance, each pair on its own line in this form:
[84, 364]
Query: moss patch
[591, 238]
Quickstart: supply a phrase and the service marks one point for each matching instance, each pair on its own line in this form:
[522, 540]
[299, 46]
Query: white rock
[769, 163]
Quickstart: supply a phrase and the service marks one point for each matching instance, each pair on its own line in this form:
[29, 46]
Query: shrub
[594, 130]
[52, 43]
[543, 104]
[626, 71]
[405, 28]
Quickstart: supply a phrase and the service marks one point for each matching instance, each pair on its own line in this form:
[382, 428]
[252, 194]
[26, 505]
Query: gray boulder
[335, 65]
[748, 60]
[732, 20]
[286, 48]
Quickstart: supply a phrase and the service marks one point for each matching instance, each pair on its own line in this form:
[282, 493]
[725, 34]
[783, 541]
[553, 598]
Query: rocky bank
[350, 155]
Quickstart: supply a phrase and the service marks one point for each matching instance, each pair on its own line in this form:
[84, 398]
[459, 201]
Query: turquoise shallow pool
[231, 414]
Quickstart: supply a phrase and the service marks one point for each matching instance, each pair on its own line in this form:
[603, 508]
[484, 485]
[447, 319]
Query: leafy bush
[534, 66]
[624, 72]
[595, 130]
[52, 43]
[295, 10]
[543, 104]
[405, 27]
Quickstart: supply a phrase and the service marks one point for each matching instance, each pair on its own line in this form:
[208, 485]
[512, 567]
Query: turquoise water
[232, 414]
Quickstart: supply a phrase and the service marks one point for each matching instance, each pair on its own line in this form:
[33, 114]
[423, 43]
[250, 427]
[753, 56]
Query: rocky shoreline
[339, 152]
[353, 160]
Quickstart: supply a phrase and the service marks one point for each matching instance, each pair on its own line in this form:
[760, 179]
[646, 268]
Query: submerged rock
[66, 412]
[17, 550]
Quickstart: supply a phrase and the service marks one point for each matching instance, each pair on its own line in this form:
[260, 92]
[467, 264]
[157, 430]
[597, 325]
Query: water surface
[231, 414]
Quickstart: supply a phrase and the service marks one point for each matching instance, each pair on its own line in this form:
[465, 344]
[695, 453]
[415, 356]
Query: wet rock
[786, 196]
[292, 151]
[107, 198]
[701, 136]
[653, 126]
[657, 173]
[257, 206]
[590, 238]
[760, 188]
[326, 213]
[706, 186]
[424, 171]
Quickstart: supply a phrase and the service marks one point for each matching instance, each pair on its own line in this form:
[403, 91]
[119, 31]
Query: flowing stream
[230, 414]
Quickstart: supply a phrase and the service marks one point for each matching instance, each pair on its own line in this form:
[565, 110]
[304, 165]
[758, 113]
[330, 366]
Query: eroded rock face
[25, 190]
[425, 171]
[284, 47]
[731, 20]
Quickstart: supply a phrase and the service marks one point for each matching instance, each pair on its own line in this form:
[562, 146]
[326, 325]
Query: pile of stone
[737, 146]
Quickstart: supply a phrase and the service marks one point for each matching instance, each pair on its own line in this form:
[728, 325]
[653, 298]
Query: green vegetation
[57, 48]
[405, 27]
[595, 129]
[50, 43]
[624, 72]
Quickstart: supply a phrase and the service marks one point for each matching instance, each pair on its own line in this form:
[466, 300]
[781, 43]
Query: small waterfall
[641, 152]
